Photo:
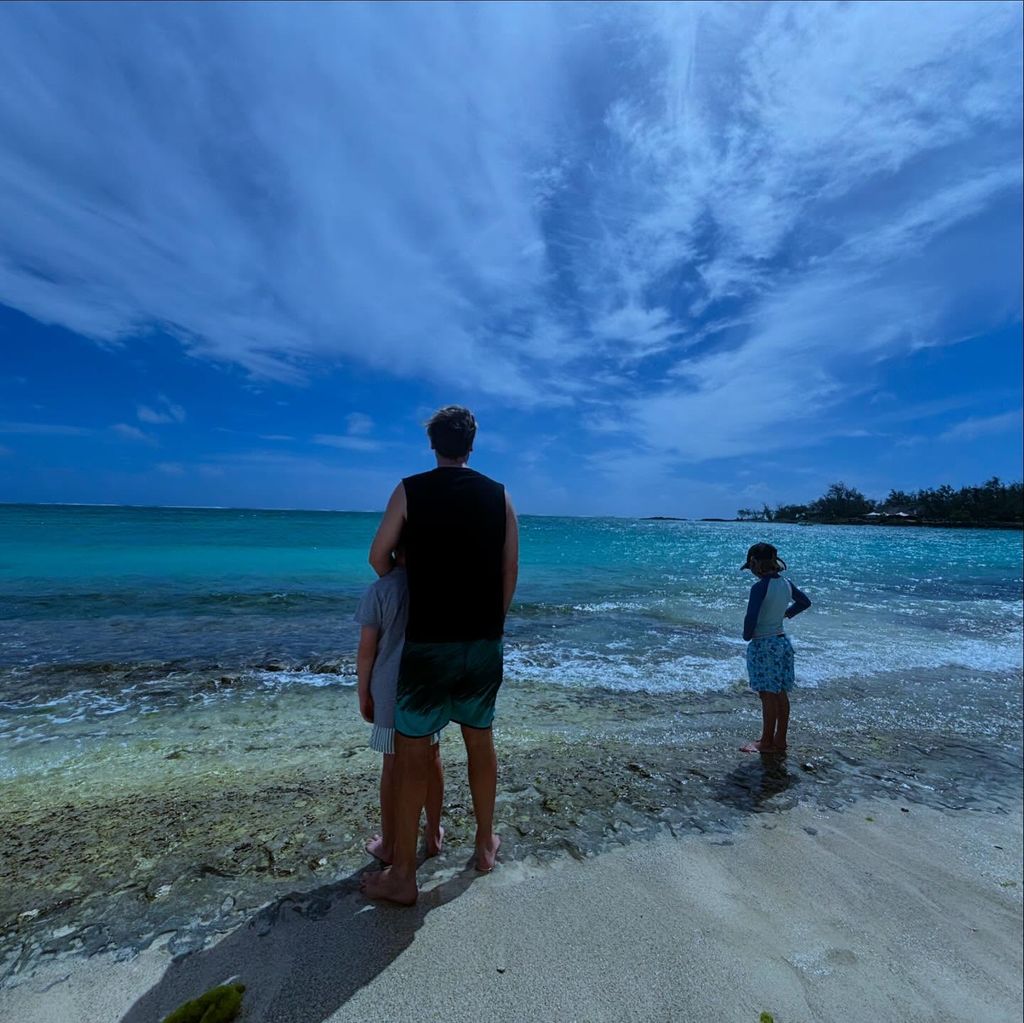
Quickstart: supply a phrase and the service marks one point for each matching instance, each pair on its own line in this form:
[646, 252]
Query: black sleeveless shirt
[454, 539]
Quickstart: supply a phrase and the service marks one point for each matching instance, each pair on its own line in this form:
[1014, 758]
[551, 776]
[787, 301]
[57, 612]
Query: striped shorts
[382, 740]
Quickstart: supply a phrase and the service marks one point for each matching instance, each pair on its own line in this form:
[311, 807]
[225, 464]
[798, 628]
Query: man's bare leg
[397, 883]
[483, 784]
[435, 801]
[383, 845]
[782, 723]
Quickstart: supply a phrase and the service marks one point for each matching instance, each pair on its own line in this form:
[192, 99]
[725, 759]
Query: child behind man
[382, 613]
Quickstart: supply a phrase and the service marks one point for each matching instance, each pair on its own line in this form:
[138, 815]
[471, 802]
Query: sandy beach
[882, 911]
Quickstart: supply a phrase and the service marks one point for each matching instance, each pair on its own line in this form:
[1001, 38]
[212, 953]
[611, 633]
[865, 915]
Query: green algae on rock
[218, 1005]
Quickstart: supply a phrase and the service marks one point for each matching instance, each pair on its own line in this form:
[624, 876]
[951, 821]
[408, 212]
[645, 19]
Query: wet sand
[181, 831]
[879, 911]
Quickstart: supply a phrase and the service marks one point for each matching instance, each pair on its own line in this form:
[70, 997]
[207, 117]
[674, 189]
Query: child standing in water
[383, 613]
[769, 652]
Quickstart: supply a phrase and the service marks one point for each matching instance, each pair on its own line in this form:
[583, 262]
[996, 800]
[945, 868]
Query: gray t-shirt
[385, 606]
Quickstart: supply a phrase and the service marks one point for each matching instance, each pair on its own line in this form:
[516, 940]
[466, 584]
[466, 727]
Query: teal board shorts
[443, 682]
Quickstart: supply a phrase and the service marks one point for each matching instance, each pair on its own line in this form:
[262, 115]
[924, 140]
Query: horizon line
[324, 511]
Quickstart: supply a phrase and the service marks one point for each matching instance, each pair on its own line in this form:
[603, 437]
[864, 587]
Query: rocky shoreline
[202, 838]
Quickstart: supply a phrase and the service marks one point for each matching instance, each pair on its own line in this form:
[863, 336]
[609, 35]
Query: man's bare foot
[376, 847]
[487, 854]
[383, 885]
[760, 746]
[435, 843]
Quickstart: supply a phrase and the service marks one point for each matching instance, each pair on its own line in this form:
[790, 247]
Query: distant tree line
[992, 503]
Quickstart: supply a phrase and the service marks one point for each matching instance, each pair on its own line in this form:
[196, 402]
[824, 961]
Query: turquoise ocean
[110, 611]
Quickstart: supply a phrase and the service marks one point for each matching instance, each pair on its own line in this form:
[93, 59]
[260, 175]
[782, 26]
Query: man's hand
[366, 706]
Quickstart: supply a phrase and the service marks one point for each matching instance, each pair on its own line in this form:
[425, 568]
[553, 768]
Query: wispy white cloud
[709, 252]
[132, 433]
[917, 410]
[356, 438]
[45, 429]
[358, 423]
[984, 426]
[279, 187]
[347, 443]
[163, 410]
[830, 174]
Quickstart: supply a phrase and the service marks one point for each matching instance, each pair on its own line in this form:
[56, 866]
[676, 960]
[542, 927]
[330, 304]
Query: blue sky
[679, 259]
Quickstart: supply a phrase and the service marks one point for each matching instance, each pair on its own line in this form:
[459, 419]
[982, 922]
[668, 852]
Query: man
[461, 541]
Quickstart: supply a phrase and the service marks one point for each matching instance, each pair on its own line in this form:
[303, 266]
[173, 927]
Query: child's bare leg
[383, 845]
[782, 724]
[435, 800]
[769, 717]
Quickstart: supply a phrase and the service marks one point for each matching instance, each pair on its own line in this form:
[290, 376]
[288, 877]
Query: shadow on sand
[755, 782]
[302, 957]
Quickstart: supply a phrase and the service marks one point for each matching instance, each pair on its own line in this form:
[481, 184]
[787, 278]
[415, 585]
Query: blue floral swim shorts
[770, 664]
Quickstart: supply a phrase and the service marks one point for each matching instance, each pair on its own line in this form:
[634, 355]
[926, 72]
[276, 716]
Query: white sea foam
[613, 605]
[666, 666]
[277, 679]
[596, 668]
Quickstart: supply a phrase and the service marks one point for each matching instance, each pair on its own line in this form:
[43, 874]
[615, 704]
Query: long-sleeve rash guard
[772, 599]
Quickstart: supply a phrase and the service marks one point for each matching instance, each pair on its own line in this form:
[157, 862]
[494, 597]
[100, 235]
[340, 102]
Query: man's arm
[365, 657]
[510, 556]
[389, 532]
